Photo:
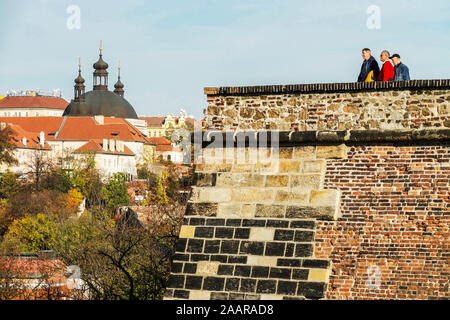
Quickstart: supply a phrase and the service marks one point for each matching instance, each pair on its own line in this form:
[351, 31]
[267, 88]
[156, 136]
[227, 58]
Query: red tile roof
[167, 148]
[157, 141]
[153, 121]
[33, 102]
[78, 128]
[16, 135]
[96, 146]
[50, 125]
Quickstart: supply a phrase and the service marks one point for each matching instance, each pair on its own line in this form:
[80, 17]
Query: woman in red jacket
[387, 71]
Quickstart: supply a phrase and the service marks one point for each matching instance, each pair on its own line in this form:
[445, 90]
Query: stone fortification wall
[357, 211]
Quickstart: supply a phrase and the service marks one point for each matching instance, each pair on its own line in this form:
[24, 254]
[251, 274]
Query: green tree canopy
[115, 191]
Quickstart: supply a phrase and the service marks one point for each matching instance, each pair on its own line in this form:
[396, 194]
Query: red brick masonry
[395, 217]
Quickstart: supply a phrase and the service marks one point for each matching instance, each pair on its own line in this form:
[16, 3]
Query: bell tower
[100, 73]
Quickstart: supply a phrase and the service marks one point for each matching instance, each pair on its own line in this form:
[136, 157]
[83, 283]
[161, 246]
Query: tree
[9, 186]
[31, 234]
[30, 203]
[115, 191]
[6, 148]
[39, 164]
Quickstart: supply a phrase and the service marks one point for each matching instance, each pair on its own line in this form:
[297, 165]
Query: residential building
[31, 104]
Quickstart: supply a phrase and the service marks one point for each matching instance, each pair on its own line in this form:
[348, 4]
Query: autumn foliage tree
[115, 191]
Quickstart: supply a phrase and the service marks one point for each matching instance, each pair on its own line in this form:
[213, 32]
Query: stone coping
[289, 138]
[330, 87]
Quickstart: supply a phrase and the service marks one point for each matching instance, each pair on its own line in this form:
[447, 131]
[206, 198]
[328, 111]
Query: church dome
[101, 102]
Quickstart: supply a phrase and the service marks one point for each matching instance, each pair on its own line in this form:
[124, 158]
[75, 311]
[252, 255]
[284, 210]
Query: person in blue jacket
[369, 69]
[401, 70]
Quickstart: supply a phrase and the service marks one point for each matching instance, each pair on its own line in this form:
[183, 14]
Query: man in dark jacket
[369, 69]
[401, 71]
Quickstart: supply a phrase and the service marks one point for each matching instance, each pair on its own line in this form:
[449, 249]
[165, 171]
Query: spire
[119, 85]
[100, 73]
[79, 85]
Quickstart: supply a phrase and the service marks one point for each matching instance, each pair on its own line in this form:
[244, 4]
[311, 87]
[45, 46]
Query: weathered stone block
[266, 166]
[224, 167]
[262, 234]
[323, 213]
[207, 194]
[275, 211]
[207, 268]
[204, 179]
[292, 196]
[331, 152]
[187, 232]
[229, 210]
[243, 167]
[262, 261]
[248, 210]
[277, 181]
[314, 166]
[201, 209]
[306, 181]
[251, 195]
[320, 275]
[304, 152]
[199, 295]
[285, 153]
[325, 197]
[311, 290]
[289, 166]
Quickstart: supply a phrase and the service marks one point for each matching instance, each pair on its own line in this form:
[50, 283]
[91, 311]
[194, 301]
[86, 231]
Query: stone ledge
[330, 87]
[293, 138]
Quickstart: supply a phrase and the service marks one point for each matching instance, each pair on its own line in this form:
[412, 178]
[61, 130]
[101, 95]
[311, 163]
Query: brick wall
[395, 209]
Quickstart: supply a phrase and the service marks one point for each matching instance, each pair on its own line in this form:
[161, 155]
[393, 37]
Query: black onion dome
[119, 84]
[101, 102]
[100, 64]
[79, 79]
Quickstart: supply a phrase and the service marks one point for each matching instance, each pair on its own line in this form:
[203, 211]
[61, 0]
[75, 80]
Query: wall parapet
[291, 138]
[414, 104]
[331, 87]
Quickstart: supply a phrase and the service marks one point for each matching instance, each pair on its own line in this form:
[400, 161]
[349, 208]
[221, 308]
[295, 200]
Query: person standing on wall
[369, 69]
[387, 71]
[401, 70]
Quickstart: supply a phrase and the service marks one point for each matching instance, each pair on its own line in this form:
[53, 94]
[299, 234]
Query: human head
[396, 59]
[384, 56]
[366, 53]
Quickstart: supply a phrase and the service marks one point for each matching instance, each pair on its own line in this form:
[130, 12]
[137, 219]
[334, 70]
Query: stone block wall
[249, 229]
[354, 204]
[415, 104]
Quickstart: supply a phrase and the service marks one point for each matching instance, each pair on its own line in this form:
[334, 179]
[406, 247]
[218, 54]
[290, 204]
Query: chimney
[42, 138]
[100, 119]
[112, 145]
[24, 141]
[105, 144]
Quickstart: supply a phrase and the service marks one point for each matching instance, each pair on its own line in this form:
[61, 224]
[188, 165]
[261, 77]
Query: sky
[170, 50]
